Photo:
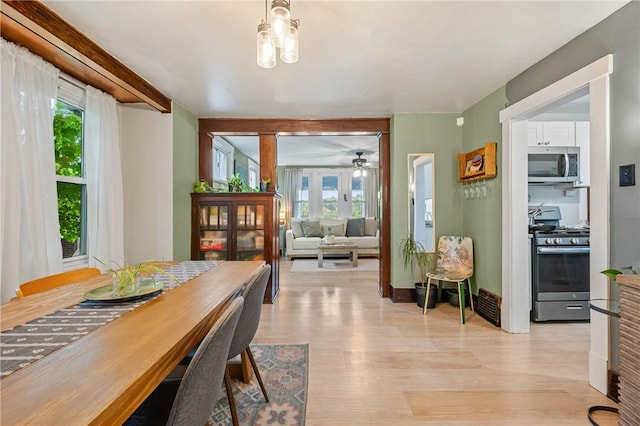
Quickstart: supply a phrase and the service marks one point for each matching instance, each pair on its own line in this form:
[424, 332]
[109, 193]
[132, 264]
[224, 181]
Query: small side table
[611, 308]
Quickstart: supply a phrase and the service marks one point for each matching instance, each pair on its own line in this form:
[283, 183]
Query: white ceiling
[357, 58]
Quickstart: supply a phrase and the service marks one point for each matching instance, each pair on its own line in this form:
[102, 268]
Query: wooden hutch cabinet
[238, 226]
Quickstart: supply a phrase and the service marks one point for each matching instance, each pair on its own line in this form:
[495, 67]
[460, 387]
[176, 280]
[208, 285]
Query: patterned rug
[284, 371]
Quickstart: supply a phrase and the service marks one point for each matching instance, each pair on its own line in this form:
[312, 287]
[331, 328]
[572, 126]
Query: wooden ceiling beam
[36, 27]
[283, 126]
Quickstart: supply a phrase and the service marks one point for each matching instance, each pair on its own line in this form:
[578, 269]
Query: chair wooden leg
[470, 294]
[257, 372]
[461, 298]
[232, 400]
[426, 296]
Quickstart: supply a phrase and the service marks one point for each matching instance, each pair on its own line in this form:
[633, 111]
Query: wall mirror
[421, 200]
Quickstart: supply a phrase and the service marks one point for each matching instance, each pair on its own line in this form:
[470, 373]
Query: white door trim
[515, 291]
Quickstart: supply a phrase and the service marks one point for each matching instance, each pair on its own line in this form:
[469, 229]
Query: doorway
[268, 129]
[515, 291]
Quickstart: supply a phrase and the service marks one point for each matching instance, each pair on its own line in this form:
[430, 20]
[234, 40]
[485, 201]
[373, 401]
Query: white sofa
[299, 244]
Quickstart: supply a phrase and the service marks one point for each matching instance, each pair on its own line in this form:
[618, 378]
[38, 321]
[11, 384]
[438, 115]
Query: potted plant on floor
[415, 258]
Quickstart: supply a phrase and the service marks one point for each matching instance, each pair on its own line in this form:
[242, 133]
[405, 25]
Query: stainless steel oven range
[560, 275]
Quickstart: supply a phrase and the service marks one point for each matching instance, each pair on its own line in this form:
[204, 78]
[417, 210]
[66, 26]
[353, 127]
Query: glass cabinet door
[250, 219]
[214, 222]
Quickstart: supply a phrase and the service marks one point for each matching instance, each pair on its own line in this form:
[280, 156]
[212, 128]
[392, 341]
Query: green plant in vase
[127, 277]
[236, 184]
[613, 273]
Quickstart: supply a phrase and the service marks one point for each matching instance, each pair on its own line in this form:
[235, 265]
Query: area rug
[332, 265]
[284, 370]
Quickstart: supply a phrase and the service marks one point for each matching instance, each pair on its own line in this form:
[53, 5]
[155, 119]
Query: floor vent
[489, 306]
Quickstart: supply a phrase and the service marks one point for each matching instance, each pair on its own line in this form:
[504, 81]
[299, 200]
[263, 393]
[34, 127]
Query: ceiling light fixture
[359, 165]
[281, 33]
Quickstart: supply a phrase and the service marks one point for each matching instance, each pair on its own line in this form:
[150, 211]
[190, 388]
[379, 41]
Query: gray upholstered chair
[190, 400]
[246, 331]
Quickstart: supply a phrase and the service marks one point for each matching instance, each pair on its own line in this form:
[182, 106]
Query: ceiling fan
[359, 165]
[359, 162]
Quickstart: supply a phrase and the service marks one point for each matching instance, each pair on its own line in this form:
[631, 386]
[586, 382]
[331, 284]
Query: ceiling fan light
[280, 22]
[357, 173]
[266, 51]
[289, 53]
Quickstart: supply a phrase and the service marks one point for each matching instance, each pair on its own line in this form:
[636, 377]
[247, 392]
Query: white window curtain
[293, 184]
[104, 180]
[30, 235]
[371, 189]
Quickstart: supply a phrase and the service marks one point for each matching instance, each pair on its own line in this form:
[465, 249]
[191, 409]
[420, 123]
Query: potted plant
[613, 273]
[127, 278]
[236, 184]
[415, 258]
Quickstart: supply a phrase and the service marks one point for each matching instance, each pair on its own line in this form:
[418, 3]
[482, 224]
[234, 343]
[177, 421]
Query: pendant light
[280, 22]
[281, 33]
[289, 52]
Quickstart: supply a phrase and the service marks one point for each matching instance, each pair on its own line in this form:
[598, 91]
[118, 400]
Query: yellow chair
[52, 281]
[455, 264]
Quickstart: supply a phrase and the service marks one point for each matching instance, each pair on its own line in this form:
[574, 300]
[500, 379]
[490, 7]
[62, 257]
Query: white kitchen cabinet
[551, 133]
[583, 141]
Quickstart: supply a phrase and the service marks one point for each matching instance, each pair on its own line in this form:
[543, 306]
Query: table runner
[25, 344]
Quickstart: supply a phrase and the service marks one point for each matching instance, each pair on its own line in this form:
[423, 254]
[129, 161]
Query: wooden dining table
[102, 377]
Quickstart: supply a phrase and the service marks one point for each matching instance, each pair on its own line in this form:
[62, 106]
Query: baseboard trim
[403, 295]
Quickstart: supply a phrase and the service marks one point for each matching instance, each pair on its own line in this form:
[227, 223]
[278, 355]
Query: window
[222, 159]
[254, 173]
[330, 196]
[330, 193]
[301, 209]
[68, 131]
[357, 197]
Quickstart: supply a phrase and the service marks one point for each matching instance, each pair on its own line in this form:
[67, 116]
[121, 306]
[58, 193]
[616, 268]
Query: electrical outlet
[628, 175]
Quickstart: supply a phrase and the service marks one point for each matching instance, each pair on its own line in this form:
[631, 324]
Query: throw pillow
[311, 228]
[337, 230]
[370, 227]
[355, 227]
[296, 227]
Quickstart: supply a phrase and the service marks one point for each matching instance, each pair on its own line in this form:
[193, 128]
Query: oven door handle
[563, 250]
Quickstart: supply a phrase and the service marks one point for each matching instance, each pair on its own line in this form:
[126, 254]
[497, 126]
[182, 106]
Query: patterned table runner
[25, 344]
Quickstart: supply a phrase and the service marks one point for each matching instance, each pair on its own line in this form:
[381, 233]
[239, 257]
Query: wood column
[384, 282]
[268, 159]
[205, 157]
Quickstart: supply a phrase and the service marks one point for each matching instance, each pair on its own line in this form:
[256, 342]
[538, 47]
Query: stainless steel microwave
[553, 164]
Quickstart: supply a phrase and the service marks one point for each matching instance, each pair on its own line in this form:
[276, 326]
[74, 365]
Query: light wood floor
[373, 362]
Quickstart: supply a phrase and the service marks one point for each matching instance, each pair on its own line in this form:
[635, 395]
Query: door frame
[515, 291]
[268, 129]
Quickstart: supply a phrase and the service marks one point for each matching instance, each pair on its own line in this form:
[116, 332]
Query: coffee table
[351, 248]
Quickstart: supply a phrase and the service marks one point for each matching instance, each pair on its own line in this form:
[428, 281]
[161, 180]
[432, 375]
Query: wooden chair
[52, 281]
[455, 264]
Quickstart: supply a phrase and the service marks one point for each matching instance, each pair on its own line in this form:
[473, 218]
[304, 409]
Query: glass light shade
[357, 173]
[266, 50]
[364, 172]
[289, 53]
[280, 21]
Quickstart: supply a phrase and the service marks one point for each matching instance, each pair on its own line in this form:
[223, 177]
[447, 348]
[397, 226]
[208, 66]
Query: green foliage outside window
[67, 133]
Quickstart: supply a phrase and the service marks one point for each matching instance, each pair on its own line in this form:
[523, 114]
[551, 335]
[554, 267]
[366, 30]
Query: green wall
[482, 218]
[423, 133]
[185, 174]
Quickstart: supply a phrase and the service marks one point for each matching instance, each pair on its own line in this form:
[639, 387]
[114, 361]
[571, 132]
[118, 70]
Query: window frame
[226, 148]
[315, 175]
[73, 93]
